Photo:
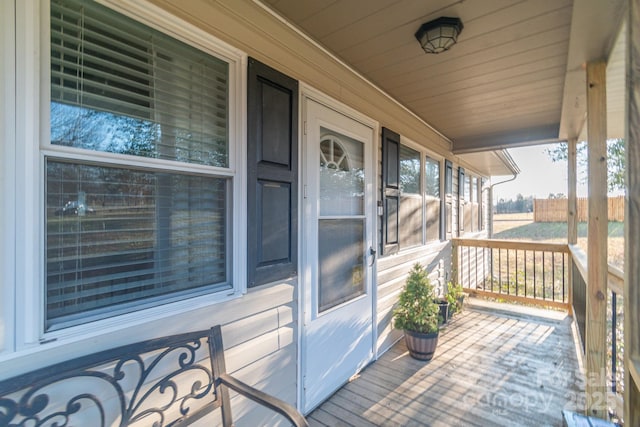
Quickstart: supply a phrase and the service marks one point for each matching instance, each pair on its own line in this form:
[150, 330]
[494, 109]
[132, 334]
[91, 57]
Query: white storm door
[338, 227]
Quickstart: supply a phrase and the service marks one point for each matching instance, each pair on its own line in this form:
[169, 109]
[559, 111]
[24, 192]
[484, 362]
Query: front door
[337, 242]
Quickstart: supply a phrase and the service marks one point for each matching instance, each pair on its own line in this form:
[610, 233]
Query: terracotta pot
[421, 346]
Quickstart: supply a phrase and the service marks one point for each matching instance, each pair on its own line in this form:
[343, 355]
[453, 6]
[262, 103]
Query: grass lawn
[522, 227]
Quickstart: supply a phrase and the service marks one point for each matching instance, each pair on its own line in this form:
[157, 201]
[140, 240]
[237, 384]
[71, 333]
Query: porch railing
[545, 274]
[615, 321]
[527, 272]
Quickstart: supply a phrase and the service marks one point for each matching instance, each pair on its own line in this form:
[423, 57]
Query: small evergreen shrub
[417, 311]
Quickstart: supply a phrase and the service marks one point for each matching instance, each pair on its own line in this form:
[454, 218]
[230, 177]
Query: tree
[615, 160]
[519, 205]
[557, 196]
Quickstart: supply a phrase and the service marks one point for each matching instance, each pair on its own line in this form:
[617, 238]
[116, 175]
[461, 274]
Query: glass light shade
[439, 35]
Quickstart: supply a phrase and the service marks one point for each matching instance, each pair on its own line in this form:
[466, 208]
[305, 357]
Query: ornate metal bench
[161, 382]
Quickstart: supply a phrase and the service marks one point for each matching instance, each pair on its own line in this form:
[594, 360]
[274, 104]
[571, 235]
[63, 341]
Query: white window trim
[31, 127]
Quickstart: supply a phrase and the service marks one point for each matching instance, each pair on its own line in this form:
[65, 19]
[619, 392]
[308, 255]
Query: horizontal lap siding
[474, 269]
[391, 277]
[260, 349]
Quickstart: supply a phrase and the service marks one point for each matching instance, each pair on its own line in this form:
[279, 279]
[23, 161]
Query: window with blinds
[432, 199]
[410, 198]
[119, 86]
[121, 237]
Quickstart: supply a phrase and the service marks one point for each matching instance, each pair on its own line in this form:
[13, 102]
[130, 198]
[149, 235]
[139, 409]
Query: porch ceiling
[505, 82]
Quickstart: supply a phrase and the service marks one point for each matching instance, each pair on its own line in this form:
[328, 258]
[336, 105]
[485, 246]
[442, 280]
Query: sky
[539, 176]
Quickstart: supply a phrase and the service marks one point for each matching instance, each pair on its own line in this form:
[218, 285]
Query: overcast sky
[539, 176]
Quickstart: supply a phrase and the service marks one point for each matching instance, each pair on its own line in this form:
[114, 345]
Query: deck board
[493, 367]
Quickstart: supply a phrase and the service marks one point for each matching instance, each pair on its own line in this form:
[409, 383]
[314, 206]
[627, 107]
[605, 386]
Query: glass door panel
[341, 250]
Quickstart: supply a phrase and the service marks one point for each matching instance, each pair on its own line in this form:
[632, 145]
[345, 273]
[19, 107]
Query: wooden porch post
[572, 203]
[632, 224]
[597, 243]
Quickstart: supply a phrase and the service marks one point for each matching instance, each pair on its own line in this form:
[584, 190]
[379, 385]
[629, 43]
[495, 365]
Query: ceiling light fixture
[440, 34]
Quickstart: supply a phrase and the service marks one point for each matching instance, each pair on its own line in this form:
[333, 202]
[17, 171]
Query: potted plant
[444, 310]
[455, 297]
[417, 315]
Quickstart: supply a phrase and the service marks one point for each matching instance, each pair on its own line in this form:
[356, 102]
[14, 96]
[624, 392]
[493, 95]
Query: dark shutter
[390, 190]
[461, 218]
[272, 175]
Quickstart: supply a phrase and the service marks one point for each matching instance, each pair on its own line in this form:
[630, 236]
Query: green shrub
[454, 296]
[416, 309]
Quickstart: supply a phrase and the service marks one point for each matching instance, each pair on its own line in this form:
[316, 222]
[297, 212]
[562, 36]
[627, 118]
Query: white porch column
[596, 321]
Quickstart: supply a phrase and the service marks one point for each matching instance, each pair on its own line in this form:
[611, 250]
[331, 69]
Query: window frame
[32, 124]
[441, 196]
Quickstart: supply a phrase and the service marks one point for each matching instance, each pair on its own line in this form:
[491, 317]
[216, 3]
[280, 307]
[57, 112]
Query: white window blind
[120, 86]
[120, 238]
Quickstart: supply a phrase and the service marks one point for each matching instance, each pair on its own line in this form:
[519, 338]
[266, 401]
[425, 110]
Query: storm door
[337, 242]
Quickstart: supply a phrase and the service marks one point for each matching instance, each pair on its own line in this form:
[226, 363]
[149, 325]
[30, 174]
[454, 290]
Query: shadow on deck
[495, 365]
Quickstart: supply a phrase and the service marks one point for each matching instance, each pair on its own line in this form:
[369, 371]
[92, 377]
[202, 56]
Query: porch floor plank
[494, 366]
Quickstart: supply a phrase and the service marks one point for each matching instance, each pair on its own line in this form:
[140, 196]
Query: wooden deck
[496, 365]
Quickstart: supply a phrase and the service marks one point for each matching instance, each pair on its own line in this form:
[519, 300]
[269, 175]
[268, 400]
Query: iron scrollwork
[156, 382]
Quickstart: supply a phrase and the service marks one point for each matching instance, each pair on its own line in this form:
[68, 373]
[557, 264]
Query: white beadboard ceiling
[516, 76]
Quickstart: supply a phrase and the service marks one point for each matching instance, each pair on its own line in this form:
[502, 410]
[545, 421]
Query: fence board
[555, 210]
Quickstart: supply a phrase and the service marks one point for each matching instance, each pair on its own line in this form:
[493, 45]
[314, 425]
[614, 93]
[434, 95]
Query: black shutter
[272, 175]
[390, 190]
[461, 178]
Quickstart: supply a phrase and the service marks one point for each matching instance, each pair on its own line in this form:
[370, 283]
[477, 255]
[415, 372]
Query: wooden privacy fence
[555, 210]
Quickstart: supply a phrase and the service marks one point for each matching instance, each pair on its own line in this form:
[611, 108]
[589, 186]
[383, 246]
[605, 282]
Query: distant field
[522, 227]
[526, 216]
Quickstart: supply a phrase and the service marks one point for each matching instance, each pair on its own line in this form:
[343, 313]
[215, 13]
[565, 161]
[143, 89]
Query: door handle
[373, 253]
